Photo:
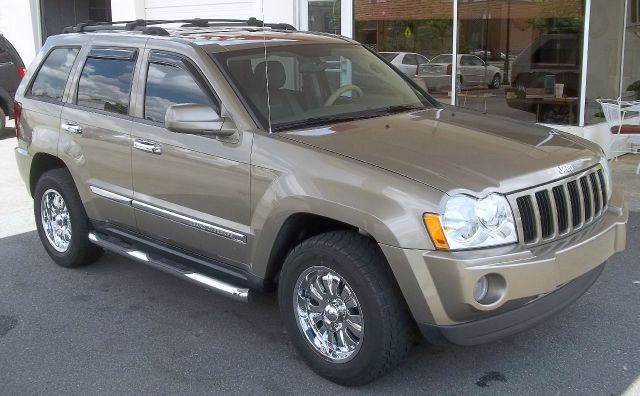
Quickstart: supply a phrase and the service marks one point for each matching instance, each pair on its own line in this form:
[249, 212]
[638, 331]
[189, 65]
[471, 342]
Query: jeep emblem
[563, 169]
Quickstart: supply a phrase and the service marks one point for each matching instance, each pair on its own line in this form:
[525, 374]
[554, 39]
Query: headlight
[469, 223]
[608, 180]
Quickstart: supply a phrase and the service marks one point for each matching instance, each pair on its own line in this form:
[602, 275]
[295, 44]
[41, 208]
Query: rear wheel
[343, 310]
[61, 220]
[495, 82]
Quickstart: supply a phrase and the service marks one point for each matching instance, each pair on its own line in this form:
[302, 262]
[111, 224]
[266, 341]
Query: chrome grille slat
[551, 211]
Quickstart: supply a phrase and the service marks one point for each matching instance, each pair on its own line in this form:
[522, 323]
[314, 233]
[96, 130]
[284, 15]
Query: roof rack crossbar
[141, 24]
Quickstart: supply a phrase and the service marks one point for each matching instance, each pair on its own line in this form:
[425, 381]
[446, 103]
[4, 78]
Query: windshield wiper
[325, 120]
[346, 117]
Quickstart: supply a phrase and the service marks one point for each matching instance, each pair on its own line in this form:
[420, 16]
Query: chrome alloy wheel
[329, 314]
[56, 220]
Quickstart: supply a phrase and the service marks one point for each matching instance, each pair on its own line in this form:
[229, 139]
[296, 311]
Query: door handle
[72, 127]
[147, 146]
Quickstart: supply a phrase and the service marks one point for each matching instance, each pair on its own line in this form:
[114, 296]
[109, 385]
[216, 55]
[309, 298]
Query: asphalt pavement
[117, 327]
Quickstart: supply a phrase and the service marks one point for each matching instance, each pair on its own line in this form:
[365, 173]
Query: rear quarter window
[52, 77]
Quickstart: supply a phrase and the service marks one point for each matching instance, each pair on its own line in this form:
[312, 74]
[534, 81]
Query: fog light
[481, 289]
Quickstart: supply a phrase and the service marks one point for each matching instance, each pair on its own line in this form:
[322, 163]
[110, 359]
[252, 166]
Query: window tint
[105, 84]
[409, 59]
[558, 51]
[389, 56]
[475, 61]
[53, 75]
[168, 85]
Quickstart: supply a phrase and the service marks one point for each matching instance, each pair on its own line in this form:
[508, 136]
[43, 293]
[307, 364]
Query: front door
[190, 191]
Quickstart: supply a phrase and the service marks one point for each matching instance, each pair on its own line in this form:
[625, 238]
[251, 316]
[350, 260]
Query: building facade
[544, 61]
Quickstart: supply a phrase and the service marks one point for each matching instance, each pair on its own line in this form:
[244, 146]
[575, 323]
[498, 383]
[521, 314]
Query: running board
[170, 267]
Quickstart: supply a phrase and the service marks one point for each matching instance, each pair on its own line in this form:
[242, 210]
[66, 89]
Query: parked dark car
[11, 72]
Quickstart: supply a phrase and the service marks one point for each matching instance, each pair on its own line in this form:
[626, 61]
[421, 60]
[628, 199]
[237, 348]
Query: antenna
[266, 69]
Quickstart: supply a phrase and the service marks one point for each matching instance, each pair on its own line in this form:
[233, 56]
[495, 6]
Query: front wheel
[61, 220]
[343, 310]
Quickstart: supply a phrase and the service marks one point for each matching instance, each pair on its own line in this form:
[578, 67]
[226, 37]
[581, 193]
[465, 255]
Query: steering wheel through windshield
[345, 88]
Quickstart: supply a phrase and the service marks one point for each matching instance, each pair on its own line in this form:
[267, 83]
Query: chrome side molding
[214, 229]
[167, 214]
[110, 195]
[226, 289]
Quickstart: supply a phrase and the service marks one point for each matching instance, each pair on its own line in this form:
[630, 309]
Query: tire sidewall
[295, 264]
[78, 223]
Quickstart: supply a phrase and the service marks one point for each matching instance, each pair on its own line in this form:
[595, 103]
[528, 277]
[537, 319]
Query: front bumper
[438, 285]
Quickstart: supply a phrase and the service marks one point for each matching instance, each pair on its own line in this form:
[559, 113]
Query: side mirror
[197, 119]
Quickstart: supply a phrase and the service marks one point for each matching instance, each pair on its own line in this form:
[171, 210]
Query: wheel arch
[41, 163]
[296, 228]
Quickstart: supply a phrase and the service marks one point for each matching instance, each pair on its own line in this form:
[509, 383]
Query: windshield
[318, 83]
[441, 59]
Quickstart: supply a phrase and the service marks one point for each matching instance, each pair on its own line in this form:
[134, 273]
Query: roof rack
[147, 26]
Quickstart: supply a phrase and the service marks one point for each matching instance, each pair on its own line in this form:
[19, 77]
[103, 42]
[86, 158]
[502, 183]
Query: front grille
[555, 210]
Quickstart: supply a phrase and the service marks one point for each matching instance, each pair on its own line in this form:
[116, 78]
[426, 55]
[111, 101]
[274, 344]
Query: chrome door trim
[110, 195]
[208, 227]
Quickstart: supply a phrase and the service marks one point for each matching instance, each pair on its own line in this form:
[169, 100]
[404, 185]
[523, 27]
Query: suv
[11, 72]
[376, 213]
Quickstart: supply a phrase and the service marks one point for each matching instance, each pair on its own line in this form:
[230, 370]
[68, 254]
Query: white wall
[127, 10]
[19, 22]
[274, 10]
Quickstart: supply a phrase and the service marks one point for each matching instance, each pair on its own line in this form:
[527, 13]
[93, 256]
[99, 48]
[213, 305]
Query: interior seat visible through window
[284, 102]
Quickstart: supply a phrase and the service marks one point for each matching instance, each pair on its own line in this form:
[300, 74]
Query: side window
[465, 61]
[54, 73]
[409, 59]
[168, 85]
[105, 84]
[475, 61]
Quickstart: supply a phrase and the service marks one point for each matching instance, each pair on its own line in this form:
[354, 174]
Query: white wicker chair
[614, 111]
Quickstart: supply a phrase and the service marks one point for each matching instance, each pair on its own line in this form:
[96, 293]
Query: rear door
[467, 70]
[190, 191]
[96, 132]
[410, 65]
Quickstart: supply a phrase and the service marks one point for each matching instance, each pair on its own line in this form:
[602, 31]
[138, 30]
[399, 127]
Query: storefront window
[324, 16]
[521, 58]
[409, 33]
[605, 56]
[631, 77]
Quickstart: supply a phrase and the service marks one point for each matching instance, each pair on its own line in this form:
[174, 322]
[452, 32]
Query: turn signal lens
[432, 222]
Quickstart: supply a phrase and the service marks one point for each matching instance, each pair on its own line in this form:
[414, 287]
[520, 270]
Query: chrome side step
[168, 266]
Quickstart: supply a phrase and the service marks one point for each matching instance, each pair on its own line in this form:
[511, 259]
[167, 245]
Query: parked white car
[472, 71]
[406, 62]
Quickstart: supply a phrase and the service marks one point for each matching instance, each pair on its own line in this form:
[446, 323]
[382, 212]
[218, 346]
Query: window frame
[28, 93]
[111, 53]
[171, 58]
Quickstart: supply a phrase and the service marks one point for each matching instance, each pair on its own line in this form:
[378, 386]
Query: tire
[387, 331]
[69, 211]
[3, 122]
[495, 82]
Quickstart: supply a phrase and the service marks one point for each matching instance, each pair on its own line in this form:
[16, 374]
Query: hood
[455, 150]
